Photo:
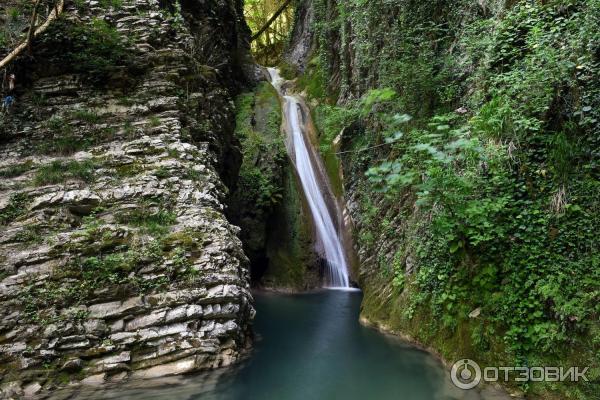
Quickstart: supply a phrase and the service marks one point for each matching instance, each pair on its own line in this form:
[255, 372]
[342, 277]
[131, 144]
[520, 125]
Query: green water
[311, 347]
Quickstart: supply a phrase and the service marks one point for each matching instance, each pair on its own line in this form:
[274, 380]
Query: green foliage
[376, 96]
[109, 259]
[258, 183]
[151, 218]
[500, 197]
[13, 13]
[30, 234]
[111, 3]
[58, 125]
[562, 155]
[162, 173]
[398, 270]
[14, 209]
[87, 116]
[95, 48]
[330, 121]
[100, 49]
[313, 80]
[64, 141]
[127, 170]
[269, 46]
[15, 169]
[15, 20]
[76, 283]
[287, 71]
[154, 121]
[63, 145]
[61, 171]
[403, 53]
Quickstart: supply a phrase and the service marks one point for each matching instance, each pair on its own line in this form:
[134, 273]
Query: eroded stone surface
[131, 269]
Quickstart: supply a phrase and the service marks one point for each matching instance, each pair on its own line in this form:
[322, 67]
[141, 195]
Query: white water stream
[307, 167]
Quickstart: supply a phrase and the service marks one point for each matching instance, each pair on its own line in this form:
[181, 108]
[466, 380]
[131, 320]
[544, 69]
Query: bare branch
[32, 25]
[32, 35]
[271, 20]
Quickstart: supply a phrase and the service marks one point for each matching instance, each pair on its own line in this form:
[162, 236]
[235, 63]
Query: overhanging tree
[34, 29]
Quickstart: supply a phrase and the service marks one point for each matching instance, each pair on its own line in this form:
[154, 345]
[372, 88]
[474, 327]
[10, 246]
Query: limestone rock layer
[116, 259]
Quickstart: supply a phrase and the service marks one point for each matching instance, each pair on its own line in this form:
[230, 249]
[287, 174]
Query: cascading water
[306, 167]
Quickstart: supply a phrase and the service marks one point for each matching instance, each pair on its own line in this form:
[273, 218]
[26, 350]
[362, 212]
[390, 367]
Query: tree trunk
[32, 25]
[271, 20]
[32, 35]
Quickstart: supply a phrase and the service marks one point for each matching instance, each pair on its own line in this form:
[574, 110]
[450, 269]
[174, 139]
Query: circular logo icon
[465, 374]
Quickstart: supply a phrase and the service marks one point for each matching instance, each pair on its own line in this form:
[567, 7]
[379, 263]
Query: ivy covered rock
[470, 153]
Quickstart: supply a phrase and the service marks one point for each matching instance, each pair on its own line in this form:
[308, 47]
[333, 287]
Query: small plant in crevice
[87, 116]
[16, 170]
[151, 218]
[61, 171]
[30, 234]
[129, 170]
[116, 267]
[154, 121]
[15, 208]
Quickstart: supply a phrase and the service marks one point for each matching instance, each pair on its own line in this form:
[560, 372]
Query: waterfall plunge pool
[310, 347]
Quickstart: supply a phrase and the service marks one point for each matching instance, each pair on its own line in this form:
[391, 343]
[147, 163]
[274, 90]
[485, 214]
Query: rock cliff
[116, 259]
[467, 133]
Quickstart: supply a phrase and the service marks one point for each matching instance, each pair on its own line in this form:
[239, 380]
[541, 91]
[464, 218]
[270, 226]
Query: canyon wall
[467, 135]
[116, 259]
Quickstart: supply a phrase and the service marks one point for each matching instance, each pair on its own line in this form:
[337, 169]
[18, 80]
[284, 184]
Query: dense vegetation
[260, 139]
[269, 45]
[478, 125]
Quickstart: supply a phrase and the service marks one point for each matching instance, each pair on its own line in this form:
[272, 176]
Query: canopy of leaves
[268, 47]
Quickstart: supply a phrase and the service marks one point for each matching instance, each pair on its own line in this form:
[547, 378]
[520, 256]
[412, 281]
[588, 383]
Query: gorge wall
[116, 259]
[468, 139]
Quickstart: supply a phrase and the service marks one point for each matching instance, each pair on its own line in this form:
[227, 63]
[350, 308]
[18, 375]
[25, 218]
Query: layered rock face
[116, 259]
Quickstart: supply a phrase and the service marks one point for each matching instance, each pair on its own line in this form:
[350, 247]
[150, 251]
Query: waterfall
[307, 167]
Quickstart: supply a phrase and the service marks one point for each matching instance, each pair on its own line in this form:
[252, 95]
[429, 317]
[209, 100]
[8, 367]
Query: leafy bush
[95, 48]
[258, 186]
[499, 197]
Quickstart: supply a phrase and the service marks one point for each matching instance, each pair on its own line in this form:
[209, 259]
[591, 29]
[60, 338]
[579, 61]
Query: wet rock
[72, 365]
